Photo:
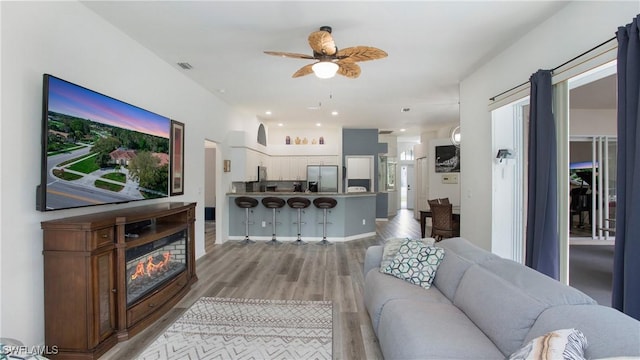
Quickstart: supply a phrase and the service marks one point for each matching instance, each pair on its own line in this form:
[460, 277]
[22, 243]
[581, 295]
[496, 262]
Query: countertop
[292, 193]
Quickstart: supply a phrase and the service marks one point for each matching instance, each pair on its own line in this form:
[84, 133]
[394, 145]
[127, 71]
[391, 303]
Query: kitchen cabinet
[245, 162]
[322, 160]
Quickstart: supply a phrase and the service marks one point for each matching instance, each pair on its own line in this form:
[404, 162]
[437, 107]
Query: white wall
[1, 184]
[437, 189]
[589, 122]
[552, 43]
[332, 138]
[67, 40]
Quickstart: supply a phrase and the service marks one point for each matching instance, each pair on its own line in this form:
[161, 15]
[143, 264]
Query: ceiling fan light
[325, 69]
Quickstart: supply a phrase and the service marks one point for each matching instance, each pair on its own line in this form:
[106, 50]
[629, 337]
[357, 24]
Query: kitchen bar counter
[298, 193]
[353, 217]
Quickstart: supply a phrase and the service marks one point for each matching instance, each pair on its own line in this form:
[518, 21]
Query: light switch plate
[450, 179]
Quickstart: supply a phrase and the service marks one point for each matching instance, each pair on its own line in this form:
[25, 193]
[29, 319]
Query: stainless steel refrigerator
[322, 178]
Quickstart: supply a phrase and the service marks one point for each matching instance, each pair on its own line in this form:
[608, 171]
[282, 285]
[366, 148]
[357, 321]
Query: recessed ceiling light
[268, 112]
[280, 124]
[318, 124]
[405, 109]
[334, 113]
[403, 130]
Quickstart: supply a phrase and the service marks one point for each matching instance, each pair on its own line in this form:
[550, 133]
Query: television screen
[98, 150]
[583, 165]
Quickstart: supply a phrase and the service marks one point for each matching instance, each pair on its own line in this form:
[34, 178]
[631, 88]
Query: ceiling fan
[330, 59]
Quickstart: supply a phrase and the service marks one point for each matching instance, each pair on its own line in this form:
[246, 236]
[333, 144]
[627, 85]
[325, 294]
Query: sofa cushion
[416, 263]
[499, 309]
[598, 323]
[461, 254]
[535, 284]
[565, 344]
[380, 288]
[413, 329]
[466, 249]
[504, 299]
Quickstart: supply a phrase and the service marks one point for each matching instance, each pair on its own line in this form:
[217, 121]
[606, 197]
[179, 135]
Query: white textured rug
[224, 328]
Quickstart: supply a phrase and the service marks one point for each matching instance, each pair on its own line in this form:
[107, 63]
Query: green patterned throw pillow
[392, 245]
[416, 263]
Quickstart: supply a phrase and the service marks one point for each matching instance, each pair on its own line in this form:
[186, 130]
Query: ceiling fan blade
[361, 53]
[322, 43]
[348, 68]
[305, 70]
[289, 55]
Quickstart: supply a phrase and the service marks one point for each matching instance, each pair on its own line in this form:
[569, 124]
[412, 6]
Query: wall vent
[185, 65]
[385, 132]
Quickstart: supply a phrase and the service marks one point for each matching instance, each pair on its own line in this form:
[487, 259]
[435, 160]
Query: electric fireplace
[130, 265]
[150, 265]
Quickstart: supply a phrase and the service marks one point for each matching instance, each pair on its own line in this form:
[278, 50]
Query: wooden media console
[96, 268]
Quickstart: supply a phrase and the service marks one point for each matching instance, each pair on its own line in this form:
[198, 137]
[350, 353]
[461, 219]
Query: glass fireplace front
[152, 264]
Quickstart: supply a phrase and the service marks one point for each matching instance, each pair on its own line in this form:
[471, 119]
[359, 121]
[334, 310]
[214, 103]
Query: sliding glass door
[592, 168]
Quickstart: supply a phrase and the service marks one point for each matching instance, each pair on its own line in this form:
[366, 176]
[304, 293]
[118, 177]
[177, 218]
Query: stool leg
[246, 228]
[324, 229]
[273, 228]
[299, 240]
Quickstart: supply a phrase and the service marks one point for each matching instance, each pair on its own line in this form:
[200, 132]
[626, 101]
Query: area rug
[237, 329]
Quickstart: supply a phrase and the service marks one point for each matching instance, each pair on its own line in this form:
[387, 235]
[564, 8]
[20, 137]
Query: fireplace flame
[150, 267]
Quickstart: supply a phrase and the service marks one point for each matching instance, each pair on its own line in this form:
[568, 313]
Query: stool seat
[325, 203]
[273, 202]
[246, 203]
[299, 202]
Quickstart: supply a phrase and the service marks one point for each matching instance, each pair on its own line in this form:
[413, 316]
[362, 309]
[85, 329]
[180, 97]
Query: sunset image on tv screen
[100, 150]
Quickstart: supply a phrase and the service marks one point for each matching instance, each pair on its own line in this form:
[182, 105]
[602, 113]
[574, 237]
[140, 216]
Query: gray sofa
[481, 306]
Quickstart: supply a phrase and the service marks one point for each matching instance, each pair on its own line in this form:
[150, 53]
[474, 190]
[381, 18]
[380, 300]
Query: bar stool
[299, 203]
[324, 203]
[246, 203]
[273, 203]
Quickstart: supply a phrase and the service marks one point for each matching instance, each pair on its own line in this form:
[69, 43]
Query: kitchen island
[352, 218]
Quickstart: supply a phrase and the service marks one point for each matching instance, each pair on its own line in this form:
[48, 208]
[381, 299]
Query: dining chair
[438, 201]
[443, 223]
[433, 201]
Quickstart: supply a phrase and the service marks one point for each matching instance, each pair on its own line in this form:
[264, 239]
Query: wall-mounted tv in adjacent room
[98, 150]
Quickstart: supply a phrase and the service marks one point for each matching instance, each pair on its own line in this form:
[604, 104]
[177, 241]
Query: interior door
[411, 193]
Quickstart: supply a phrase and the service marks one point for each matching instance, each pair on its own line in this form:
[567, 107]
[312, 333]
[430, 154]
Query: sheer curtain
[542, 245]
[626, 266]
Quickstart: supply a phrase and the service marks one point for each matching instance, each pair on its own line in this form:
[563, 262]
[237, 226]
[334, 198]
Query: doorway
[593, 154]
[407, 190]
[210, 186]
[592, 178]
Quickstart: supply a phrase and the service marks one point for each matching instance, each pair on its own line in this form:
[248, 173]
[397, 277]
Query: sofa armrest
[372, 258]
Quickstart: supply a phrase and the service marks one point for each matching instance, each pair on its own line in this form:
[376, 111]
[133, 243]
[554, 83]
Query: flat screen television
[97, 150]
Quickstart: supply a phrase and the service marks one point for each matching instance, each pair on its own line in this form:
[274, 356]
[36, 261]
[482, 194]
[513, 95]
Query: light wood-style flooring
[288, 271]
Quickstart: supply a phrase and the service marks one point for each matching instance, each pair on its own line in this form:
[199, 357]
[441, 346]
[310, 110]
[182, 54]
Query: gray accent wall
[365, 142]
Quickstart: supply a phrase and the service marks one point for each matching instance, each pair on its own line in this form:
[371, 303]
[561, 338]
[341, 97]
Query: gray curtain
[542, 245]
[626, 266]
